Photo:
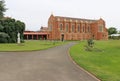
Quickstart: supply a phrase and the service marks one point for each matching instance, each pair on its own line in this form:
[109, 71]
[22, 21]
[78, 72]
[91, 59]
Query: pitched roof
[78, 19]
[43, 28]
[34, 33]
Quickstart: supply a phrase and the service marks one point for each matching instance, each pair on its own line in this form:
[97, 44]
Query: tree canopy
[2, 8]
[9, 27]
[112, 30]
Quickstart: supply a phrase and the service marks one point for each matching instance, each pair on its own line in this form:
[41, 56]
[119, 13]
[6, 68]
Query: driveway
[53, 64]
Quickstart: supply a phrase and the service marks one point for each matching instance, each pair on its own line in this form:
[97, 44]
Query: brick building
[67, 28]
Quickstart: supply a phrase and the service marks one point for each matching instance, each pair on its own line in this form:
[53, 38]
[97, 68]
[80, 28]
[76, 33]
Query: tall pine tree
[2, 8]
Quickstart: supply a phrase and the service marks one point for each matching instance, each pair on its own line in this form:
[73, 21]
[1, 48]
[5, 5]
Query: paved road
[53, 64]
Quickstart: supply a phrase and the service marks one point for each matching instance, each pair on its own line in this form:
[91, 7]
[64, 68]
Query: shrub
[4, 38]
[90, 42]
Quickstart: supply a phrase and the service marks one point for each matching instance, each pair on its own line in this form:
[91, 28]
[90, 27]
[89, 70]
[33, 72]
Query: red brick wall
[56, 34]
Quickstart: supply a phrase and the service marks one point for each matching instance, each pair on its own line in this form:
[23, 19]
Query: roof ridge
[76, 18]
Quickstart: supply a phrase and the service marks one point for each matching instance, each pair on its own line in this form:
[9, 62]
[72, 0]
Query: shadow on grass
[92, 49]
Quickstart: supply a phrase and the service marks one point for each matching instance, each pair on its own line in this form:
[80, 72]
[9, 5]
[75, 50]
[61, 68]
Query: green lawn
[105, 64]
[31, 45]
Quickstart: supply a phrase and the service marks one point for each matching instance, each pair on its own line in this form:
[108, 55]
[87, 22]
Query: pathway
[53, 64]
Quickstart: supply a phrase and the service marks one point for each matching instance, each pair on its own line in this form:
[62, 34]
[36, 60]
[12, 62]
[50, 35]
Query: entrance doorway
[62, 37]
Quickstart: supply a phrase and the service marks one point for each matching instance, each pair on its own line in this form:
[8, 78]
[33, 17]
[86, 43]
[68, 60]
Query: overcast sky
[35, 13]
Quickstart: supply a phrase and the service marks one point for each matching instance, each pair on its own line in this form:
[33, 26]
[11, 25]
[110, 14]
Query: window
[103, 35]
[67, 27]
[61, 26]
[73, 27]
[86, 29]
[50, 28]
[83, 29]
[89, 29]
[100, 29]
[78, 27]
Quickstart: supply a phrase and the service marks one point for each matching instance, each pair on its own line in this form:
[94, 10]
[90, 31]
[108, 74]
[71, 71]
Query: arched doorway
[62, 37]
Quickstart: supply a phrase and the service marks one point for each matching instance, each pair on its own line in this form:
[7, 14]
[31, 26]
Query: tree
[112, 30]
[2, 8]
[119, 32]
[9, 27]
[4, 38]
[1, 28]
[20, 27]
[12, 27]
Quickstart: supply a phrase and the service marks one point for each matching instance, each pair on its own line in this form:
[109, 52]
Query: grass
[31, 45]
[105, 64]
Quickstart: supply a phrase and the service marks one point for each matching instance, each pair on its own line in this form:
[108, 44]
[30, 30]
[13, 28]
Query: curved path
[53, 64]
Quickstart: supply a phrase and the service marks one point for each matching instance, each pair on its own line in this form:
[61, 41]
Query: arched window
[83, 27]
[86, 29]
[61, 26]
[100, 29]
[78, 27]
[73, 27]
[50, 27]
[67, 27]
[89, 29]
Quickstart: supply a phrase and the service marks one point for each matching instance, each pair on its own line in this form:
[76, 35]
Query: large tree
[11, 27]
[2, 8]
[112, 30]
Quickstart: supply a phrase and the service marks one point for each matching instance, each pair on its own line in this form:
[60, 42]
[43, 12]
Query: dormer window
[86, 21]
[58, 19]
[70, 20]
[65, 20]
[81, 21]
[76, 21]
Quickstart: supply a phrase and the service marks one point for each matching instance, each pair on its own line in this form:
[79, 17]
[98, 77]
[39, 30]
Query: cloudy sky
[35, 13]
